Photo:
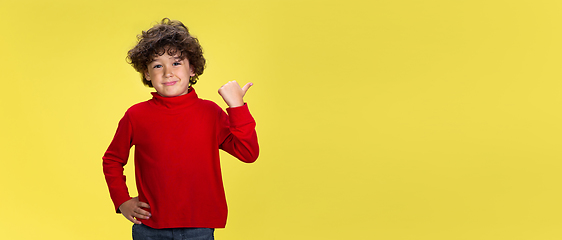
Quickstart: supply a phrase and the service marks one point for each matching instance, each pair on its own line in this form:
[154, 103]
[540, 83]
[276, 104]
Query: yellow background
[385, 119]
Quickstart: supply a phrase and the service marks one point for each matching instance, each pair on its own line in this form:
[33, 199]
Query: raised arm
[238, 134]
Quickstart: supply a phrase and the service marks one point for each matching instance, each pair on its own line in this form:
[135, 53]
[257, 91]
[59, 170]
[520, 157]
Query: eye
[177, 63]
[157, 66]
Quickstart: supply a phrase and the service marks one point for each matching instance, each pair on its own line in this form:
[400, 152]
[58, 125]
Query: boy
[177, 138]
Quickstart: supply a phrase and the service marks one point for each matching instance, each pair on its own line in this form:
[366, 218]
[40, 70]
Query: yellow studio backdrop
[384, 119]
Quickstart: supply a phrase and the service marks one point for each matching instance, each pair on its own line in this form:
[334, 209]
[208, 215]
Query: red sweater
[177, 166]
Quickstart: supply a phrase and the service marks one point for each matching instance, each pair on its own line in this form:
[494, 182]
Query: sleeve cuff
[240, 115]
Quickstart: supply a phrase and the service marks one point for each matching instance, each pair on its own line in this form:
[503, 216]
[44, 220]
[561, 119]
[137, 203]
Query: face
[169, 75]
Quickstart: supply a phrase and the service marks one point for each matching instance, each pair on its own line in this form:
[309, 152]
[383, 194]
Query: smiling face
[169, 75]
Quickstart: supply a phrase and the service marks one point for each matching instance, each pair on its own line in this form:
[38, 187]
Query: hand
[232, 94]
[132, 210]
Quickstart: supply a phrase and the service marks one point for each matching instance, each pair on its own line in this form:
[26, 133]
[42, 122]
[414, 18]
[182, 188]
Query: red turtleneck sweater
[177, 166]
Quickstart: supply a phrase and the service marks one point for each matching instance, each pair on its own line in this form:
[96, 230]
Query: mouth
[170, 83]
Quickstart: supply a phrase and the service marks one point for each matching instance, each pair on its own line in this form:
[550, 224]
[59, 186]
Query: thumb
[246, 87]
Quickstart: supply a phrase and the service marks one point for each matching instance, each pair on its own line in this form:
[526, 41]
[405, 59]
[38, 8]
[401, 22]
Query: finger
[222, 88]
[133, 220]
[136, 221]
[142, 213]
[247, 86]
[231, 84]
[140, 216]
[143, 205]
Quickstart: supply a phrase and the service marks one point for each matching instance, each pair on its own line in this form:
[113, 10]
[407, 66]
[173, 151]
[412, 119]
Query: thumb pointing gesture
[232, 93]
[246, 87]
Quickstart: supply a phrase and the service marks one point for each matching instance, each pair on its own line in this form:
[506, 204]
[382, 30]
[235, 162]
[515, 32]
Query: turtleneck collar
[175, 102]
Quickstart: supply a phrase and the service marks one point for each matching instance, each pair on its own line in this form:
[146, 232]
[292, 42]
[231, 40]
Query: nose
[168, 72]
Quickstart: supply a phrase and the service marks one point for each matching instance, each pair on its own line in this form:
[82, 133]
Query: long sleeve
[177, 158]
[114, 159]
[238, 134]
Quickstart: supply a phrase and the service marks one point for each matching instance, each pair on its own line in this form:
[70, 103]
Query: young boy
[177, 138]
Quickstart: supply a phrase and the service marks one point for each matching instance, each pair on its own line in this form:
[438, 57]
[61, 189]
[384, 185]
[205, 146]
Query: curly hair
[169, 36]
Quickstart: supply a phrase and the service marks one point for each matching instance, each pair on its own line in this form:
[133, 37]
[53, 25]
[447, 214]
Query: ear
[191, 73]
[146, 75]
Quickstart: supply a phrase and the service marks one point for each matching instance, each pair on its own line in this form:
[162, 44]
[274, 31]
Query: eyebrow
[155, 59]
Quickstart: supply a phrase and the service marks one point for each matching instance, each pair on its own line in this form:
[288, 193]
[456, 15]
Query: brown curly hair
[169, 36]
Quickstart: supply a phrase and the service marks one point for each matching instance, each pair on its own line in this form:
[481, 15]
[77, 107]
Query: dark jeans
[143, 232]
